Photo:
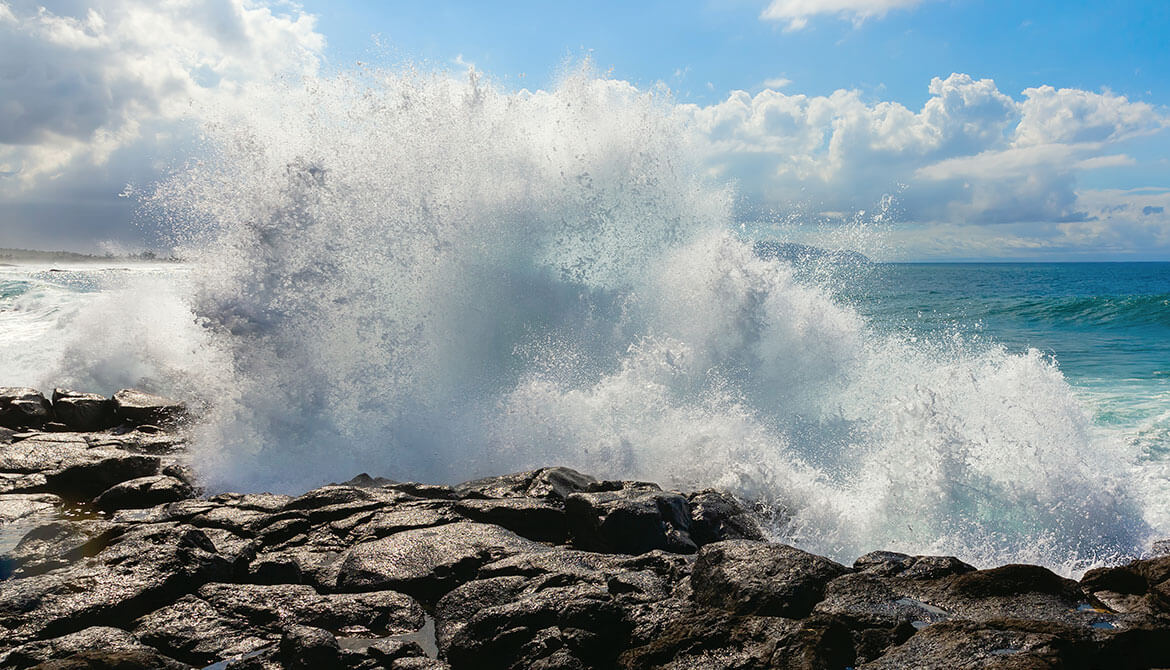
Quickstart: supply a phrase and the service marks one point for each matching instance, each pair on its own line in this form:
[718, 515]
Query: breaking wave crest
[427, 277]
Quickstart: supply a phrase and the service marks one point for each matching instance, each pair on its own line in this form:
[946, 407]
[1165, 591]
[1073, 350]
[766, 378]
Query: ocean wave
[431, 278]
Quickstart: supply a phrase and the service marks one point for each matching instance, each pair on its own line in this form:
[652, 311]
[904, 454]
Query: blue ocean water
[1107, 325]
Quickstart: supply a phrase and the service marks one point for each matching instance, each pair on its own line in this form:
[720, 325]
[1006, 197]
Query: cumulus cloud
[82, 82]
[797, 12]
[971, 154]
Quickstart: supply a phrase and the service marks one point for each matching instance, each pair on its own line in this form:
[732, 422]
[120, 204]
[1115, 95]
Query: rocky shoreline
[112, 558]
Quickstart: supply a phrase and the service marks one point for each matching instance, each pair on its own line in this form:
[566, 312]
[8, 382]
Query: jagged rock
[61, 543]
[556, 483]
[377, 613]
[756, 578]
[999, 645]
[719, 516]
[309, 648]
[533, 518]
[577, 626]
[94, 638]
[333, 502]
[192, 630]
[141, 658]
[1140, 587]
[84, 412]
[88, 474]
[364, 480]
[718, 639]
[428, 562]
[145, 566]
[405, 516]
[630, 521]
[22, 407]
[888, 564]
[143, 492]
[140, 407]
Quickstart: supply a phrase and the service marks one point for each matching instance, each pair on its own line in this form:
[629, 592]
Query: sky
[987, 130]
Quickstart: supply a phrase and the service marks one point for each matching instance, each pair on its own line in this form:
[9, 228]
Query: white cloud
[970, 155]
[777, 83]
[798, 12]
[77, 83]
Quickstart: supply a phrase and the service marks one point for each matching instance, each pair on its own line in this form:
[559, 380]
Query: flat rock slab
[38, 455]
[142, 407]
[17, 506]
[428, 562]
[109, 640]
[145, 566]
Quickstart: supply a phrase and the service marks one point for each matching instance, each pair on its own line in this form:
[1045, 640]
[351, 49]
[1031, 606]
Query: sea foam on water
[427, 277]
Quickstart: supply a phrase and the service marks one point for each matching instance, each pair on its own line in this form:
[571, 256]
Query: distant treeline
[70, 256]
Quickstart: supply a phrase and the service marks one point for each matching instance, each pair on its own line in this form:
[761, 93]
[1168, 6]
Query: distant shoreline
[11, 255]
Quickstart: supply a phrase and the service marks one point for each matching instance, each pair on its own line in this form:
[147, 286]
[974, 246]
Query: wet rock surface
[113, 558]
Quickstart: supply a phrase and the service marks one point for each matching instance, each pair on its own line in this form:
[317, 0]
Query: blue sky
[1050, 142]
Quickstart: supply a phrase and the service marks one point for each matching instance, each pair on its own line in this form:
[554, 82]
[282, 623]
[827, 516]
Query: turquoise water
[1107, 325]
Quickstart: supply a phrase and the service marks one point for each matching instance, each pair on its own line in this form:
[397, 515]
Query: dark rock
[143, 567]
[364, 480]
[85, 412]
[376, 613]
[192, 630]
[1002, 645]
[630, 521]
[335, 502]
[454, 609]
[97, 637]
[757, 578]
[888, 563]
[532, 518]
[405, 516]
[139, 407]
[577, 626]
[274, 569]
[719, 516]
[1011, 580]
[427, 562]
[143, 492]
[90, 473]
[61, 543]
[142, 658]
[1139, 587]
[56, 427]
[718, 639]
[309, 648]
[556, 483]
[23, 408]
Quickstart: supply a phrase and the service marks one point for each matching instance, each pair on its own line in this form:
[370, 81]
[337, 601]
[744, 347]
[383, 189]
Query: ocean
[432, 279]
